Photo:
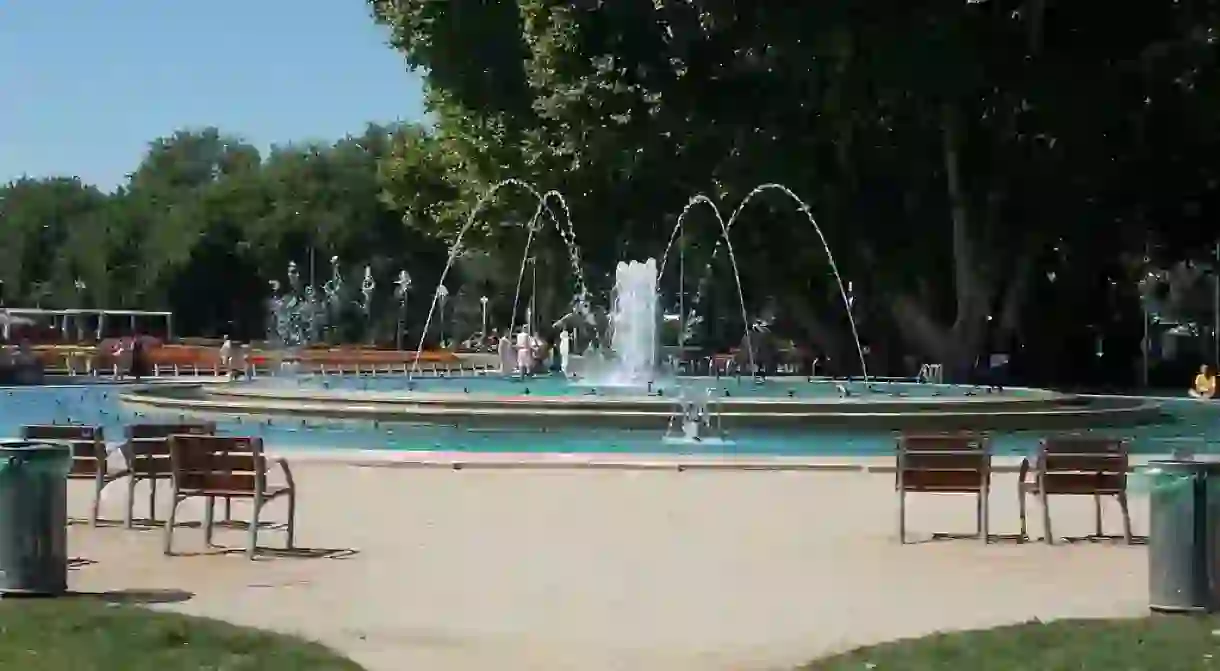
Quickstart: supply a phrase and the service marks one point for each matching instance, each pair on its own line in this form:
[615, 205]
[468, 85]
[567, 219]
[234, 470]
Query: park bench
[957, 463]
[147, 452]
[226, 467]
[88, 456]
[1076, 466]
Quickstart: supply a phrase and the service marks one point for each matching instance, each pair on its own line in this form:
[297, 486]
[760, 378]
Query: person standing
[565, 351]
[139, 358]
[504, 348]
[523, 353]
[225, 356]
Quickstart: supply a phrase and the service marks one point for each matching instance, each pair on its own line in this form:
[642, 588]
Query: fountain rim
[1045, 411]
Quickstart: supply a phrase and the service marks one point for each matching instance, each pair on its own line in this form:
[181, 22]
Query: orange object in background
[205, 357]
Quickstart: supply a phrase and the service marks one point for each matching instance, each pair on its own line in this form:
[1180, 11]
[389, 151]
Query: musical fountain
[617, 398]
[632, 358]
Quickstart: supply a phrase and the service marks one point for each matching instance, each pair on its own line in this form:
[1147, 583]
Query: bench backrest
[148, 445]
[88, 445]
[1083, 465]
[217, 464]
[951, 462]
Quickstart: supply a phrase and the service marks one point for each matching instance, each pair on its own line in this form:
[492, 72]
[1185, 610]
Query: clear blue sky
[86, 84]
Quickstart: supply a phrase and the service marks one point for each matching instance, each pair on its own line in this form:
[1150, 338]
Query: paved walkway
[614, 569]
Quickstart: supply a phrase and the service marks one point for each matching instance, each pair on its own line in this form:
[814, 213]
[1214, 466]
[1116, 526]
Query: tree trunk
[841, 355]
[955, 347]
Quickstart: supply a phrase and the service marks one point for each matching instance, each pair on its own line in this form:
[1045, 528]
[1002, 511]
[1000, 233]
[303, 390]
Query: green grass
[1167, 643]
[84, 634]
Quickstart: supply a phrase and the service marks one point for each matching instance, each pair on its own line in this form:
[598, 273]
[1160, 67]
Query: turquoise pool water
[99, 405]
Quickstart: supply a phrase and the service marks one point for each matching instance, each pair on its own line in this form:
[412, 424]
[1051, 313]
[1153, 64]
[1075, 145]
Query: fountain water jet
[697, 421]
[569, 241]
[456, 247]
[834, 267]
[724, 237]
[633, 327]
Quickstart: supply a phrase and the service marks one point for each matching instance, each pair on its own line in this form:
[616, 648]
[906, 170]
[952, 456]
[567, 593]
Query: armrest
[283, 464]
[108, 471]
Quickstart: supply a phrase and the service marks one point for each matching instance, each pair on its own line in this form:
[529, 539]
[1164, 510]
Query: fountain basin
[1029, 410]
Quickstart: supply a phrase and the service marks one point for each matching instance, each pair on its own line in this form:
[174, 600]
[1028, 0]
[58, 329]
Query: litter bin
[1184, 512]
[34, 517]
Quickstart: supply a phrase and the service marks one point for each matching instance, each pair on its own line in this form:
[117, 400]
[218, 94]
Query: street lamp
[533, 309]
[483, 303]
[402, 285]
[80, 290]
[442, 295]
[1216, 304]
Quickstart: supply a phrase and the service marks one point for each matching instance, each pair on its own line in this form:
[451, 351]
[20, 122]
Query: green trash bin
[34, 517]
[1184, 528]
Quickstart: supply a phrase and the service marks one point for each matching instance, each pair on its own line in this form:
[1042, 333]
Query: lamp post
[681, 296]
[1216, 305]
[367, 285]
[442, 296]
[483, 304]
[80, 286]
[533, 311]
[402, 285]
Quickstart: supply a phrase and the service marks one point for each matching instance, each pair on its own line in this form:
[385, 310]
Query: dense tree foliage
[203, 225]
[993, 174]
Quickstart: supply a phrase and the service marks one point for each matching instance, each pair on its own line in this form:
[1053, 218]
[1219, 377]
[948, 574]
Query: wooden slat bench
[1076, 466]
[88, 456]
[957, 463]
[226, 467]
[147, 450]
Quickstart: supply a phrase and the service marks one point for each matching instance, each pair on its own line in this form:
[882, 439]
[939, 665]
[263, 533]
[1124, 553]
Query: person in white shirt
[226, 356]
[565, 350]
[505, 349]
[523, 353]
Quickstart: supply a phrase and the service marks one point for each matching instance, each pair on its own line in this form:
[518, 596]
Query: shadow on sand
[272, 553]
[1016, 539]
[78, 563]
[145, 597]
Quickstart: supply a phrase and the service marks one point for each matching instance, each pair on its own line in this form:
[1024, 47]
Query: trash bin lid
[1186, 466]
[32, 447]
[53, 455]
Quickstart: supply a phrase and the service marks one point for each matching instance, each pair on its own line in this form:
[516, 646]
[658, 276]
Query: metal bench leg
[1097, 514]
[985, 515]
[292, 519]
[169, 524]
[128, 516]
[209, 520]
[152, 500]
[902, 516]
[252, 541]
[1021, 494]
[1122, 504]
[1048, 534]
[98, 484]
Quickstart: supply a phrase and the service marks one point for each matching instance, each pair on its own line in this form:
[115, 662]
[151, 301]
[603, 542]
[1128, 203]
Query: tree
[202, 226]
[951, 149]
[36, 217]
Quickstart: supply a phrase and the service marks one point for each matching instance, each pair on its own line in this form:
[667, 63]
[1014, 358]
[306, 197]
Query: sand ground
[617, 569]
